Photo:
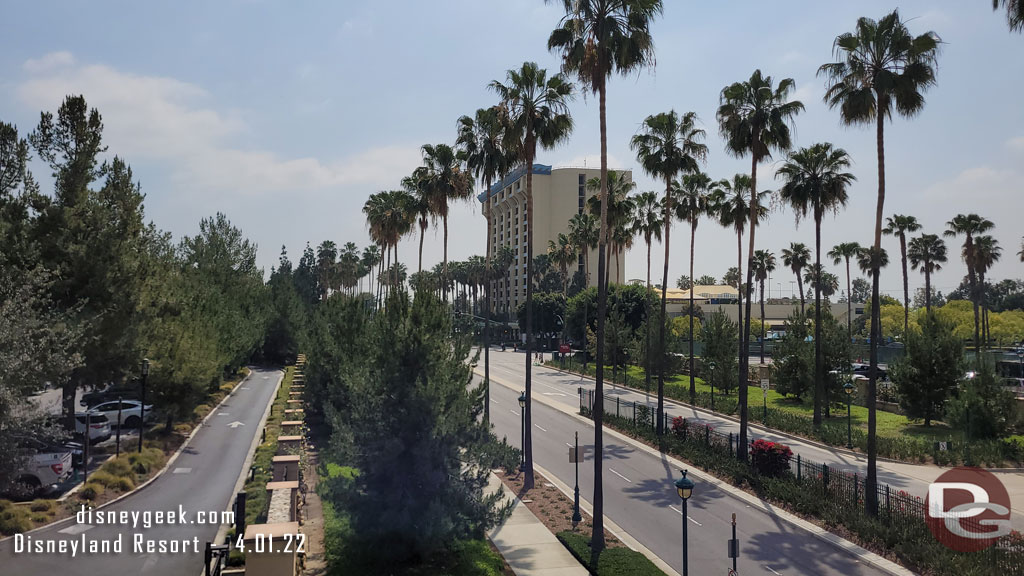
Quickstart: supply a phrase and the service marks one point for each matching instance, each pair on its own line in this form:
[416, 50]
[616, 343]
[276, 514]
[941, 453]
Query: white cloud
[164, 119]
[49, 62]
[1016, 143]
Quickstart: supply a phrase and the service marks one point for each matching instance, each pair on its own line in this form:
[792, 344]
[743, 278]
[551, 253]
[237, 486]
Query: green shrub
[4, 504]
[120, 466]
[91, 491]
[611, 561]
[15, 520]
[116, 483]
[41, 506]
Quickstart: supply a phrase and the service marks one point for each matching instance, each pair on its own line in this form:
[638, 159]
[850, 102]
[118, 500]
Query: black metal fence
[843, 491]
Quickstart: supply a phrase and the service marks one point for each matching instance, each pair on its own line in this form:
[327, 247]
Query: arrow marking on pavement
[236, 424]
[620, 475]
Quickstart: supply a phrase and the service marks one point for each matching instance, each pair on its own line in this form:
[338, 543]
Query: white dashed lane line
[620, 475]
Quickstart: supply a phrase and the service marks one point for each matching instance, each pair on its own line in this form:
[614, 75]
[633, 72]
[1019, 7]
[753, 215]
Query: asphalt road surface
[914, 479]
[200, 481]
[640, 497]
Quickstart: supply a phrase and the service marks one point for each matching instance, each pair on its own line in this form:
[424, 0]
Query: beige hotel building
[558, 195]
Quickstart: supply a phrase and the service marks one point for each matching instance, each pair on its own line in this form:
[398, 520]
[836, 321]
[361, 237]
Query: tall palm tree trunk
[586, 286]
[527, 409]
[927, 289]
[819, 377]
[597, 542]
[487, 312]
[739, 304]
[423, 233]
[444, 290]
[647, 331]
[849, 302]
[745, 319]
[870, 494]
[906, 287]
[762, 321]
[800, 288]
[667, 224]
[693, 382]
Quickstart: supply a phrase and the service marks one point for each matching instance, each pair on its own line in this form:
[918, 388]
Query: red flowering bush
[770, 458]
[679, 426]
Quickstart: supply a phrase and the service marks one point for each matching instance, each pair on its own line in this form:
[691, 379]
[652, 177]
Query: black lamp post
[522, 424]
[711, 380]
[684, 487]
[1020, 356]
[848, 388]
[576, 516]
[142, 419]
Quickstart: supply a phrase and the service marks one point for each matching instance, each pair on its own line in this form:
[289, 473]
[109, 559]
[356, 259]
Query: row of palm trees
[880, 69]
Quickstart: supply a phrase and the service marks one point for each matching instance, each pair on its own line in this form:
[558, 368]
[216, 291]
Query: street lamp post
[576, 516]
[684, 487]
[848, 388]
[1020, 356]
[142, 419]
[711, 372]
[522, 424]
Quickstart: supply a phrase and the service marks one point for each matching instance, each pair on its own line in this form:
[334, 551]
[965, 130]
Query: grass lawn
[889, 424]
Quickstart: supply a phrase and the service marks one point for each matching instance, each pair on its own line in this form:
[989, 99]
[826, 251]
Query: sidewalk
[526, 543]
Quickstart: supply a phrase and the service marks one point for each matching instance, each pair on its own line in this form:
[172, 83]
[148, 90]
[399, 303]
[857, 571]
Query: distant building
[558, 195]
[712, 298]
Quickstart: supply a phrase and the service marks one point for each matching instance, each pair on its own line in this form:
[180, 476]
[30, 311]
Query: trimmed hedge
[611, 561]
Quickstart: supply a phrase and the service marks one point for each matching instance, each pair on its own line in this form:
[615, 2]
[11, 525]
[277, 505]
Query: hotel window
[582, 192]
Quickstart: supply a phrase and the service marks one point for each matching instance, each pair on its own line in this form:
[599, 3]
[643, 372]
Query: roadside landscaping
[898, 437]
[116, 476]
[829, 498]
[554, 509]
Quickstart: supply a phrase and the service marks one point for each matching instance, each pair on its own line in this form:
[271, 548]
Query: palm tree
[668, 145]
[584, 235]
[970, 226]
[707, 280]
[563, 255]
[986, 252]
[326, 267]
[818, 278]
[764, 264]
[647, 223]
[538, 113]
[620, 212]
[622, 235]
[694, 200]
[797, 257]
[418, 184]
[898, 225]
[927, 253]
[595, 39]
[370, 259]
[733, 206]
[1014, 13]
[389, 216]
[481, 139]
[815, 183]
[839, 253]
[1021, 252]
[754, 117]
[880, 66]
[869, 260]
[446, 182]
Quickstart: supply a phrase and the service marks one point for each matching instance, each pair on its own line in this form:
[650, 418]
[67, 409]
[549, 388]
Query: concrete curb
[751, 425]
[155, 476]
[865, 556]
[615, 529]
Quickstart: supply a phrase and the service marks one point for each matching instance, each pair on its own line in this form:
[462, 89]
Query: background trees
[931, 370]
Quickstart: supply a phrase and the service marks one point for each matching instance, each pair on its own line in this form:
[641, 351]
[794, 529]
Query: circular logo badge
[967, 509]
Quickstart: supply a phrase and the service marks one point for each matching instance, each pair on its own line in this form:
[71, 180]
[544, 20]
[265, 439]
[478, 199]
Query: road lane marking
[76, 529]
[236, 424]
[552, 394]
[495, 401]
[182, 471]
[680, 512]
[541, 429]
[620, 475]
[222, 414]
[513, 411]
[769, 568]
[569, 445]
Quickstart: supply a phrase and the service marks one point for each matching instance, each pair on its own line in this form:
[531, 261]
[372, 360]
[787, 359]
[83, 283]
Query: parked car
[44, 466]
[865, 370]
[131, 412]
[99, 426]
[109, 394]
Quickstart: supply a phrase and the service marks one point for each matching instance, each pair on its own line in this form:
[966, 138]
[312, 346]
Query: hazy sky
[287, 115]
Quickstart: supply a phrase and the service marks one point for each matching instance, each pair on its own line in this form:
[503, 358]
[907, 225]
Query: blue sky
[287, 115]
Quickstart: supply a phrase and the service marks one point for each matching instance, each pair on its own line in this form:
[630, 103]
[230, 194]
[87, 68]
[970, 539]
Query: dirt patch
[552, 507]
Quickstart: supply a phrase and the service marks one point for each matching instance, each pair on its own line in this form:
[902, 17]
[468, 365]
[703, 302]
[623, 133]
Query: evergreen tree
[720, 336]
[931, 369]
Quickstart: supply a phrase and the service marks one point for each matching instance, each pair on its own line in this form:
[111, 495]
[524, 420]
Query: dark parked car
[125, 392]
